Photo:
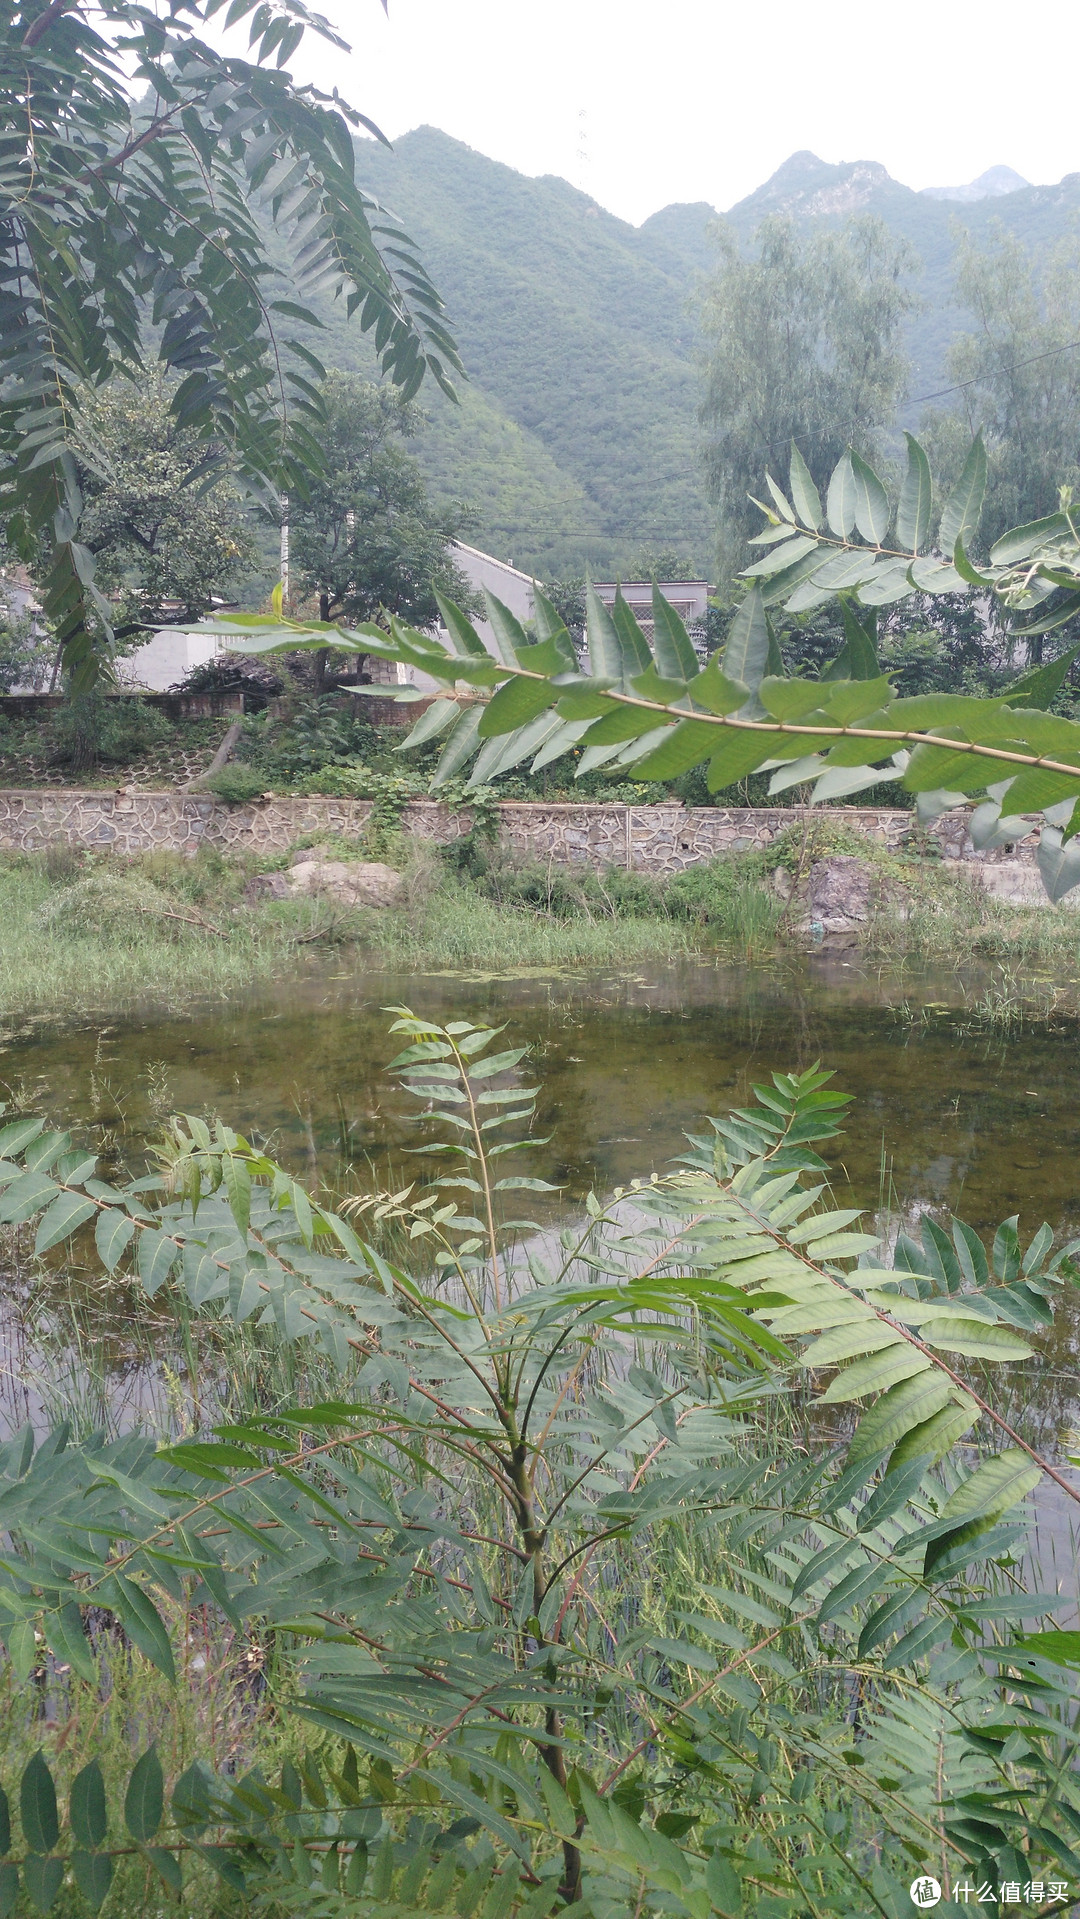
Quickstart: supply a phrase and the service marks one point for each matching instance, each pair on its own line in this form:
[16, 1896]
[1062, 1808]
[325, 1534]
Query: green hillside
[576, 437]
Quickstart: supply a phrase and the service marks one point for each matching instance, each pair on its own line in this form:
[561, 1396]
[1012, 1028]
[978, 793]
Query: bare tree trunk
[221, 757]
[323, 653]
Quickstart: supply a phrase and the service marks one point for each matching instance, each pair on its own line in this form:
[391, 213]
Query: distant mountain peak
[805, 185]
[995, 181]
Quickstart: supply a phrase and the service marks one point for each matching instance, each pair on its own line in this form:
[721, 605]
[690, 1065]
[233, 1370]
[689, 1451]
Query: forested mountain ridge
[810, 190]
[577, 434]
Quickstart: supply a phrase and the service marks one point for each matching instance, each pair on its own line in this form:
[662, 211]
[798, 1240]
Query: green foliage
[315, 731]
[157, 173]
[234, 783]
[90, 931]
[365, 540]
[162, 518]
[1021, 383]
[727, 899]
[355, 781]
[650, 714]
[439, 1553]
[27, 651]
[96, 726]
[803, 343]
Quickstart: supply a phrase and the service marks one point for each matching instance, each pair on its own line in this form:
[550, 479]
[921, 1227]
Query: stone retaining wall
[648, 839]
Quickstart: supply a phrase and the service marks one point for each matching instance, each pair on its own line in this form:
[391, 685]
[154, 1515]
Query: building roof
[489, 559]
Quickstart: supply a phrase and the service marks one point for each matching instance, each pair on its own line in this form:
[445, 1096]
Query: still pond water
[957, 1109]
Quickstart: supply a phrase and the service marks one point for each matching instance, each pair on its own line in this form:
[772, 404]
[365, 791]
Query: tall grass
[447, 922]
[127, 959]
[91, 933]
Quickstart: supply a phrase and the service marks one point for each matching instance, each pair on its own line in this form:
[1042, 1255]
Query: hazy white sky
[642, 102]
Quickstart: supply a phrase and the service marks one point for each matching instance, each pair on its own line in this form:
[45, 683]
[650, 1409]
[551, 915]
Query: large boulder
[346, 882]
[840, 892]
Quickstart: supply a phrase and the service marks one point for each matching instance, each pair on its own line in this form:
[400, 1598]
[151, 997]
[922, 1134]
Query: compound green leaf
[635, 647]
[460, 745]
[686, 744]
[900, 1409]
[976, 1339]
[840, 500]
[877, 1373]
[67, 1213]
[712, 689]
[157, 1255]
[26, 1196]
[93, 1874]
[675, 655]
[43, 1879]
[37, 1806]
[960, 515]
[994, 1487]
[935, 1436]
[804, 493]
[510, 635]
[88, 1811]
[872, 510]
[1020, 544]
[746, 652]
[516, 703]
[605, 651]
[112, 1235]
[845, 1342]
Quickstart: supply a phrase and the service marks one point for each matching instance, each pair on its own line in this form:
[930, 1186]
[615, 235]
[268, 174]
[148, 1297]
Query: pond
[967, 1096]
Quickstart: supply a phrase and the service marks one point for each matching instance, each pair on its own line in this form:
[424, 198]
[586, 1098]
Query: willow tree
[802, 341]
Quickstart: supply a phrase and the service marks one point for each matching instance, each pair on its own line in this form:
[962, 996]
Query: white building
[166, 659]
[503, 582]
[688, 598]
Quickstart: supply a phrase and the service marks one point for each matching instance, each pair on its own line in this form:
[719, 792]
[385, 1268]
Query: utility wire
[1069, 347]
[942, 392]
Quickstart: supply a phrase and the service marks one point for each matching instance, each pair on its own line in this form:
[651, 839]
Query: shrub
[321, 731]
[110, 727]
[353, 780]
[237, 785]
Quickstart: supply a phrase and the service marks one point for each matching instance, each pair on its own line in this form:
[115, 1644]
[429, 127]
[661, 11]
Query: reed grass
[85, 934]
[125, 960]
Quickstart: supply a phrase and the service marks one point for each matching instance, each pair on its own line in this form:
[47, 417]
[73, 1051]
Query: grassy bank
[81, 931]
[89, 931]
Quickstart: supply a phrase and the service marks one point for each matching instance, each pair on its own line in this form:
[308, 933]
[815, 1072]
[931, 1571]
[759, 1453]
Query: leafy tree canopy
[1019, 379]
[129, 234]
[367, 541]
[162, 516]
[803, 342]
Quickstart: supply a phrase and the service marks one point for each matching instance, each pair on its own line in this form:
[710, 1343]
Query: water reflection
[985, 1123]
[950, 1114]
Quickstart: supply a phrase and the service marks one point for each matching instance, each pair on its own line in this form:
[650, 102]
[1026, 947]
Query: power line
[981, 378]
